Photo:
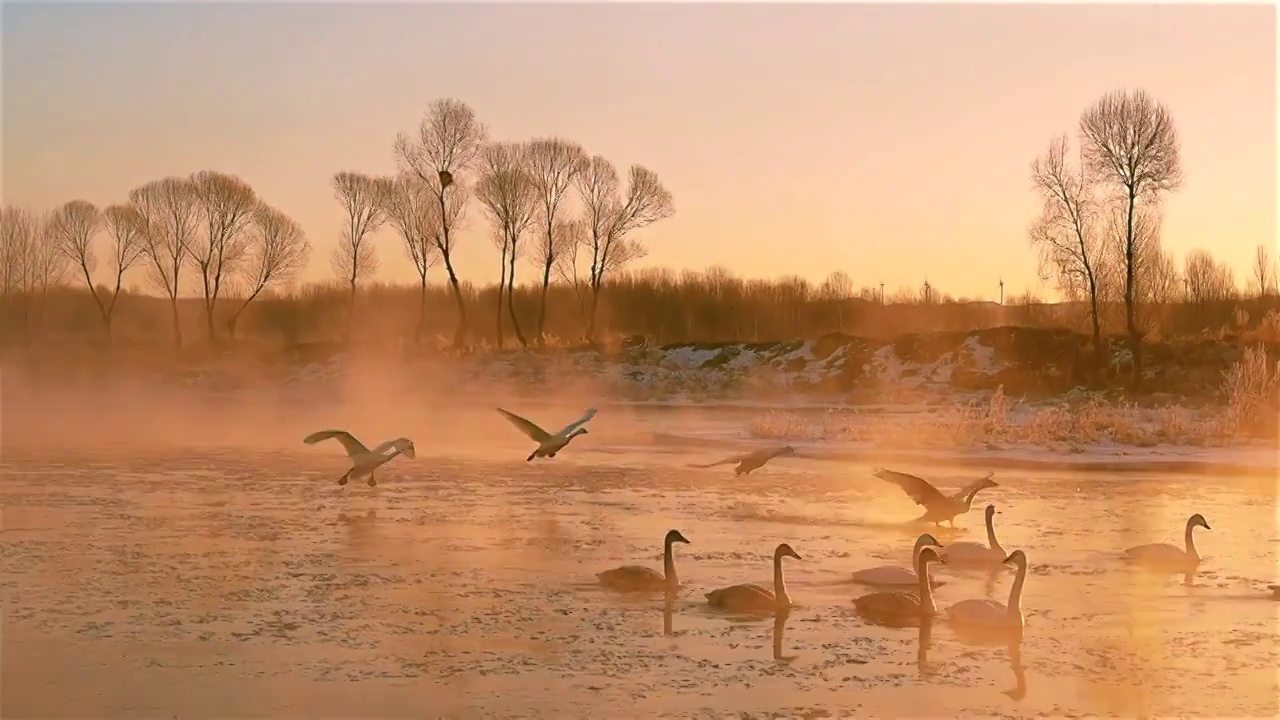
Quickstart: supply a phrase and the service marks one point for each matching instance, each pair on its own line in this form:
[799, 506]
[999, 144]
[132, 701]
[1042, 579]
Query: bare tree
[509, 195]
[170, 212]
[553, 164]
[1264, 274]
[837, 289]
[449, 138]
[227, 204]
[570, 238]
[412, 209]
[127, 230]
[355, 258]
[17, 235]
[1130, 142]
[277, 249]
[72, 229]
[1155, 272]
[499, 239]
[611, 218]
[1208, 280]
[1065, 234]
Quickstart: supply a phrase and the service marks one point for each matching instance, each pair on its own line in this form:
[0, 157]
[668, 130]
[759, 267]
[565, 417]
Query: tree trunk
[177, 321]
[502, 288]
[351, 304]
[422, 310]
[511, 297]
[591, 316]
[542, 302]
[1135, 341]
[460, 332]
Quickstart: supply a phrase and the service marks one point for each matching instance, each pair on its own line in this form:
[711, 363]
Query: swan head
[927, 540]
[991, 511]
[929, 555]
[1017, 557]
[784, 550]
[1198, 519]
[580, 431]
[987, 482]
[787, 450]
[674, 536]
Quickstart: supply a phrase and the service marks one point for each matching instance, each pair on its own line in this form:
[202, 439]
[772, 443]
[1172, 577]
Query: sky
[890, 141]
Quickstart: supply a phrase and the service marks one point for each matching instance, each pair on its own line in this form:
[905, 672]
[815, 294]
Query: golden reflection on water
[472, 584]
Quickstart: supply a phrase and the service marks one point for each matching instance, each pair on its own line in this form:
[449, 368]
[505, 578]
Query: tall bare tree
[553, 164]
[499, 239]
[448, 140]
[412, 209]
[1066, 233]
[1130, 142]
[170, 211]
[1264, 272]
[570, 239]
[127, 231]
[836, 289]
[277, 249]
[611, 218]
[355, 258]
[227, 204]
[17, 240]
[73, 228]
[509, 195]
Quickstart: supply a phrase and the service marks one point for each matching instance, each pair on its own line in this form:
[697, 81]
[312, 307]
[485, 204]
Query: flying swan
[753, 599]
[639, 577]
[896, 575]
[938, 507]
[363, 460]
[752, 460]
[548, 444]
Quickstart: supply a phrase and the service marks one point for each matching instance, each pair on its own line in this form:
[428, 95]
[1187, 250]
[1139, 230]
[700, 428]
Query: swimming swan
[938, 507]
[990, 615]
[972, 553]
[548, 444]
[363, 460]
[896, 575]
[751, 598]
[639, 577]
[899, 606]
[1171, 558]
[752, 460]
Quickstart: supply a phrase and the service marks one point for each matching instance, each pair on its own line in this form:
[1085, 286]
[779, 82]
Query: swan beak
[1206, 526]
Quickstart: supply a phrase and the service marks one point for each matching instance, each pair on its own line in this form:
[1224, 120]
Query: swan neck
[926, 590]
[779, 586]
[1190, 541]
[1015, 594]
[991, 533]
[668, 563]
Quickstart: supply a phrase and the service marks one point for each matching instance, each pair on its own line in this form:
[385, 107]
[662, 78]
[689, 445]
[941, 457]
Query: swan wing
[404, 445]
[917, 488]
[534, 432]
[1156, 552]
[973, 487]
[726, 461]
[353, 446]
[591, 412]
[980, 612]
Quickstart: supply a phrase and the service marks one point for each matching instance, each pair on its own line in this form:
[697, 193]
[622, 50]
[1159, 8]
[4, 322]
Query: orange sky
[890, 141]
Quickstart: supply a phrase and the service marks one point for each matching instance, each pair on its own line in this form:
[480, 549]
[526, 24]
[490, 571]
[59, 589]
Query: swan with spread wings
[938, 507]
[363, 460]
[752, 460]
[548, 443]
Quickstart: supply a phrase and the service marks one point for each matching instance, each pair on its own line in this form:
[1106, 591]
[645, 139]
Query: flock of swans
[894, 603]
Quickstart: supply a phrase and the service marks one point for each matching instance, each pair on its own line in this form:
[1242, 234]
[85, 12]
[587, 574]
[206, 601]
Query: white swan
[990, 615]
[363, 460]
[751, 598]
[548, 444]
[899, 607]
[896, 575]
[1171, 558]
[639, 577]
[750, 461]
[938, 507]
[972, 553]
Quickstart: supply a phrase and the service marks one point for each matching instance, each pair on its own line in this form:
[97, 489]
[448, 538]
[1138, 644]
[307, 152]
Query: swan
[751, 598]
[548, 443]
[1275, 591]
[991, 615]
[901, 606]
[752, 460]
[938, 507]
[1163, 556]
[972, 553]
[639, 577]
[363, 460]
[896, 575]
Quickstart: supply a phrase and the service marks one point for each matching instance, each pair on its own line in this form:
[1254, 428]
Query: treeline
[548, 203]
[566, 228]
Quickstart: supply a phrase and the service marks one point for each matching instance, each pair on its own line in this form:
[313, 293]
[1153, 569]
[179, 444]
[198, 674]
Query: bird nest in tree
[446, 178]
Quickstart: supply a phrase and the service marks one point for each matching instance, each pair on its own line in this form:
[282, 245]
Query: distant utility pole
[881, 293]
[1001, 291]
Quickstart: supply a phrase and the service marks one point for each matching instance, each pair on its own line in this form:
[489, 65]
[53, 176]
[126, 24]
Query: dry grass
[1251, 387]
